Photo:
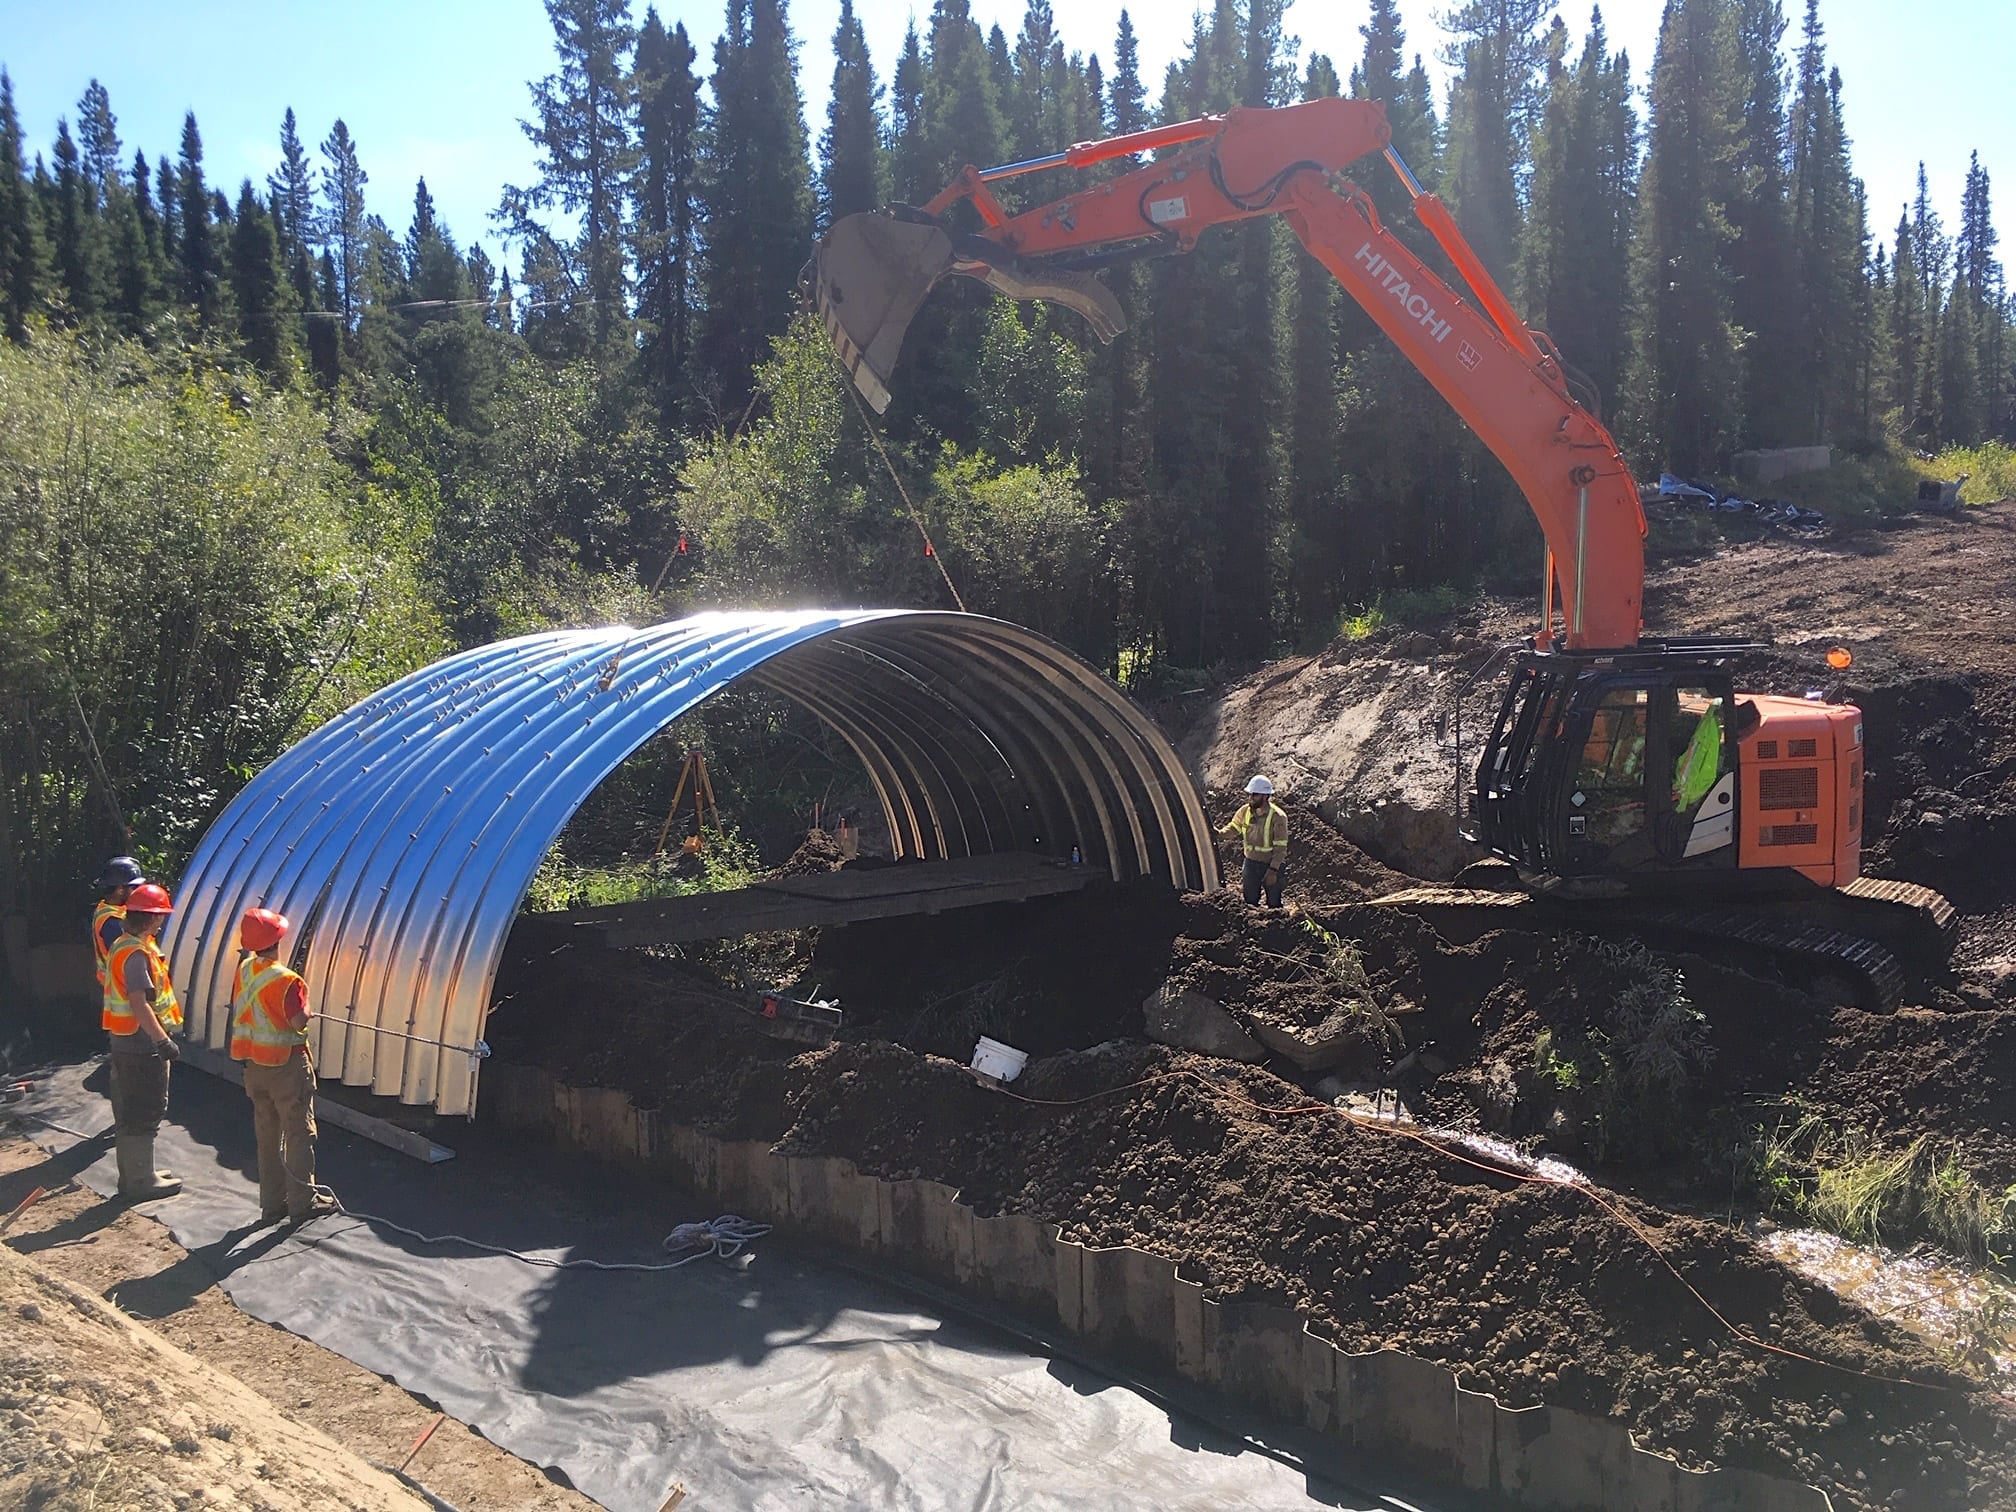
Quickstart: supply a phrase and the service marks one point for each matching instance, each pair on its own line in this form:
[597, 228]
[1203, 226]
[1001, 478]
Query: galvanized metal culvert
[401, 836]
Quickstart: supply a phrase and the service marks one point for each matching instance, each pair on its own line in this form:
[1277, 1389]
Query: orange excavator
[1625, 783]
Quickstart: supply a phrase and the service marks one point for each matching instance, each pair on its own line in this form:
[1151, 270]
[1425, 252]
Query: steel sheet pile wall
[401, 836]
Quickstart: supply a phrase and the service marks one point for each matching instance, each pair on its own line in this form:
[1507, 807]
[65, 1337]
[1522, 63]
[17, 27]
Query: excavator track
[1879, 938]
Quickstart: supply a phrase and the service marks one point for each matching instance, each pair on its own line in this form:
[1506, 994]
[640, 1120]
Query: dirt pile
[103, 1412]
[1533, 1292]
[818, 853]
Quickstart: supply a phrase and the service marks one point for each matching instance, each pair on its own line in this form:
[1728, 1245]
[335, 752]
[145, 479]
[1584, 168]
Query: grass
[1849, 1182]
[1991, 470]
[727, 863]
[1401, 607]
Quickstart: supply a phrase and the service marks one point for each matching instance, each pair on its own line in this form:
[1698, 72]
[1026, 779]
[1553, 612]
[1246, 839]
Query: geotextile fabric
[772, 1381]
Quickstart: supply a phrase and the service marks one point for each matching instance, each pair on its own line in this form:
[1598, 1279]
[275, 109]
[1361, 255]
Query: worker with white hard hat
[1263, 833]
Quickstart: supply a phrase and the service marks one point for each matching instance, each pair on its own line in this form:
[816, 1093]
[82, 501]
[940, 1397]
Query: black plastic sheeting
[779, 1382]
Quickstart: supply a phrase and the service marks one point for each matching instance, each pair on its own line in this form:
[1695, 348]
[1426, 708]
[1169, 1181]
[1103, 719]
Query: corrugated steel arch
[403, 834]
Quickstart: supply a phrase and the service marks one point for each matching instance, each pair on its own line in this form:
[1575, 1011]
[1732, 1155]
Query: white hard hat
[1261, 786]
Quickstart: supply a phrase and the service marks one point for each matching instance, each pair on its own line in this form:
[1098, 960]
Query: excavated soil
[1536, 1293]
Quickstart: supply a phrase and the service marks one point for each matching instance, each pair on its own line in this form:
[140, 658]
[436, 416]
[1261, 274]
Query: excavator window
[1607, 808]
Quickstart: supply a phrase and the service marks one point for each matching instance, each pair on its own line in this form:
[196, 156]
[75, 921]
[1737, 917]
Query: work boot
[138, 1180]
[319, 1206]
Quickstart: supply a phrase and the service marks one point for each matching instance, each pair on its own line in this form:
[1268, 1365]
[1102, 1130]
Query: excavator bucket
[871, 273]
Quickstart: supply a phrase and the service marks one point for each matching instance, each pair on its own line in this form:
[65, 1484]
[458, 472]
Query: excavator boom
[1618, 768]
[872, 272]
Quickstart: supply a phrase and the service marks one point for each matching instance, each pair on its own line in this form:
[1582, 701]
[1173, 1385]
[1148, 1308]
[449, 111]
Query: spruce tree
[342, 225]
[423, 229]
[1780, 379]
[98, 136]
[961, 110]
[583, 128]
[170, 200]
[1315, 522]
[1497, 50]
[21, 254]
[910, 169]
[1907, 329]
[851, 149]
[259, 286]
[293, 186]
[666, 190]
[1127, 101]
[1686, 388]
[758, 196]
[1930, 251]
[75, 231]
[201, 270]
[134, 291]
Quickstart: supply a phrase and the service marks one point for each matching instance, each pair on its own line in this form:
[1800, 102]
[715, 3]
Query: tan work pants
[283, 1115]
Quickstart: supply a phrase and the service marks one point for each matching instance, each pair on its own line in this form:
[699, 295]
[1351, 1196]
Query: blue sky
[436, 87]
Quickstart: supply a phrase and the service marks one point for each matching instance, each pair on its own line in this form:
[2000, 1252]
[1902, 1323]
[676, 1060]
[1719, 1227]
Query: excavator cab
[1646, 771]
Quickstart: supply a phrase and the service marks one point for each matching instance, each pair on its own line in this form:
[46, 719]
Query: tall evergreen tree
[666, 190]
[20, 225]
[583, 130]
[757, 189]
[1127, 100]
[293, 186]
[75, 231]
[1315, 522]
[98, 135]
[425, 228]
[1779, 387]
[342, 224]
[1498, 53]
[909, 151]
[259, 286]
[169, 197]
[1685, 394]
[851, 148]
[134, 291]
[201, 268]
[1931, 253]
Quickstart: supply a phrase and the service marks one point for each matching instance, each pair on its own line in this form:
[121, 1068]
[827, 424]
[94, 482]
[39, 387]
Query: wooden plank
[328, 1110]
[820, 901]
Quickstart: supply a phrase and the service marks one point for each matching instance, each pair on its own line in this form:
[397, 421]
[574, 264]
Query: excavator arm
[872, 272]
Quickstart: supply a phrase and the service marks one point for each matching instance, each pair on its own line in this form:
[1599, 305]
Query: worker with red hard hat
[141, 1015]
[269, 1034]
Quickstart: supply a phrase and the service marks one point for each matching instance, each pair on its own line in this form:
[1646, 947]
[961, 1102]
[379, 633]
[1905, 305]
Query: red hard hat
[149, 897]
[261, 928]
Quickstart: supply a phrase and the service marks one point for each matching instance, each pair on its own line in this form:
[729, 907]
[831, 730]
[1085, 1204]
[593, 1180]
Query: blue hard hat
[120, 871]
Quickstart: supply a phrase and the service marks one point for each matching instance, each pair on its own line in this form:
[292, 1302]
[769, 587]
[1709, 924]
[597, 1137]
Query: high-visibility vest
[259, 1029]
[1701, 764]
[99, 948]
[1261, 835]
[120, 1019]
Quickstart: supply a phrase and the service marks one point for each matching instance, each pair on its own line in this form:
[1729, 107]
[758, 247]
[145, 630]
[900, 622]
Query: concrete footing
[1128, 1305]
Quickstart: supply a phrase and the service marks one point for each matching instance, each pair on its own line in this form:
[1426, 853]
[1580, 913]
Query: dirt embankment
[284, 1403]
[1535, 1293]
[100, 1411]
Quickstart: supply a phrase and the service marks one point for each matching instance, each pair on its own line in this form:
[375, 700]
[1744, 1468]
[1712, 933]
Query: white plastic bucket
[1002, 1062]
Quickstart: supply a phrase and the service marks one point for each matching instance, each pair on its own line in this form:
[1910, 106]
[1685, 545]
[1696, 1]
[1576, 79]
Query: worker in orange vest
[108, 920]
[141, 1015]
[269, 1034]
